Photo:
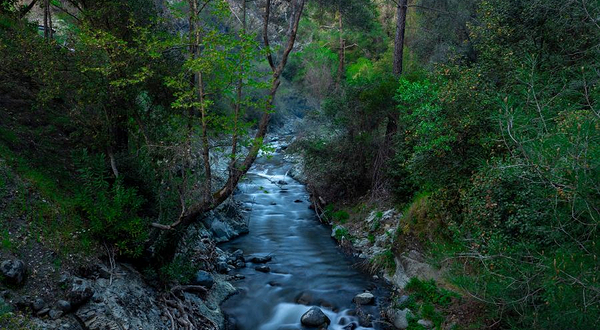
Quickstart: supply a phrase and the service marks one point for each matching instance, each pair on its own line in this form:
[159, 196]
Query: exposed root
[182, 313]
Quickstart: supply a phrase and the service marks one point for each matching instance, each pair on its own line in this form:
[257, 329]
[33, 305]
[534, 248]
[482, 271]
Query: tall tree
[401, 9]
[171, 232]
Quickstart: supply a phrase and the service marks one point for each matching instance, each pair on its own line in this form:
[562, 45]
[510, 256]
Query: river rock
[238, 255]
[222, 267]
[264, 269]
[315, 318]
[365, 298]
[282, 182]
[427, 324]
[401, 319]
[38, 304]
[13, 271]
[261, 259]
[204, 279]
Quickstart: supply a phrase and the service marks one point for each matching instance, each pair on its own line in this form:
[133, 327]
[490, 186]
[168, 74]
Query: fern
[112, 209]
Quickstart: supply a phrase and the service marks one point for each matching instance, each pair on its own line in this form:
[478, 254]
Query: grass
[342, 233]
[384, 260]
[371, 238]
[336, 216]
[37, 205]
[13, 321]
[427, 301]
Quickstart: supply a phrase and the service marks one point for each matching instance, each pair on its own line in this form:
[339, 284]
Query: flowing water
[306, 260]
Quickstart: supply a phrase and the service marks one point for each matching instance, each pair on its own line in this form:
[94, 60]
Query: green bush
[428, 291]
[342, 233]
[110, 208]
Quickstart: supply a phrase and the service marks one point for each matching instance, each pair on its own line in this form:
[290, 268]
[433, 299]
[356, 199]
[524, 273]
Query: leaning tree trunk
[168, 240]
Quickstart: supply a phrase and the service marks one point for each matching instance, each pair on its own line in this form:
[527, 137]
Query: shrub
[111, 209]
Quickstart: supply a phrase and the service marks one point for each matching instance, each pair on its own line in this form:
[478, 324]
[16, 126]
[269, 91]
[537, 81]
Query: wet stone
[263, 269]
[315, 317]
[261, 260]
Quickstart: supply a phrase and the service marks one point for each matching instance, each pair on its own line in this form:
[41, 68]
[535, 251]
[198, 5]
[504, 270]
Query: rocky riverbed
[295, 274]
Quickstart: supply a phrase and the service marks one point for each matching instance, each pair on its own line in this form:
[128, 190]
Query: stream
[306, 262]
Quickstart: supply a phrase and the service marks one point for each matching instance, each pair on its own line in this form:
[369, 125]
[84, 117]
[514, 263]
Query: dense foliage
[488, 140]
[499, 129]
[124, 107]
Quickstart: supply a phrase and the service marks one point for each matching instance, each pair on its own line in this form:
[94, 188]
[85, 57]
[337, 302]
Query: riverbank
[398, 247]
[48, 283]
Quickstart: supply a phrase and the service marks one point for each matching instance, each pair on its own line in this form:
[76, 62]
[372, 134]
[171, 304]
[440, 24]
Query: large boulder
[315, 318]
[365, 298]
[226, 222]
[13, 271]
[411, 264]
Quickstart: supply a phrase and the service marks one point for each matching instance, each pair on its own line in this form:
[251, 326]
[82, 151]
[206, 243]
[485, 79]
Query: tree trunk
[342, 54]
[46, 19]
[399, 39]
[392, 125]
[27, 9]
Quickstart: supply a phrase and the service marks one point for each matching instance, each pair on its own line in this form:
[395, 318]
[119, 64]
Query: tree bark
[401, 9]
